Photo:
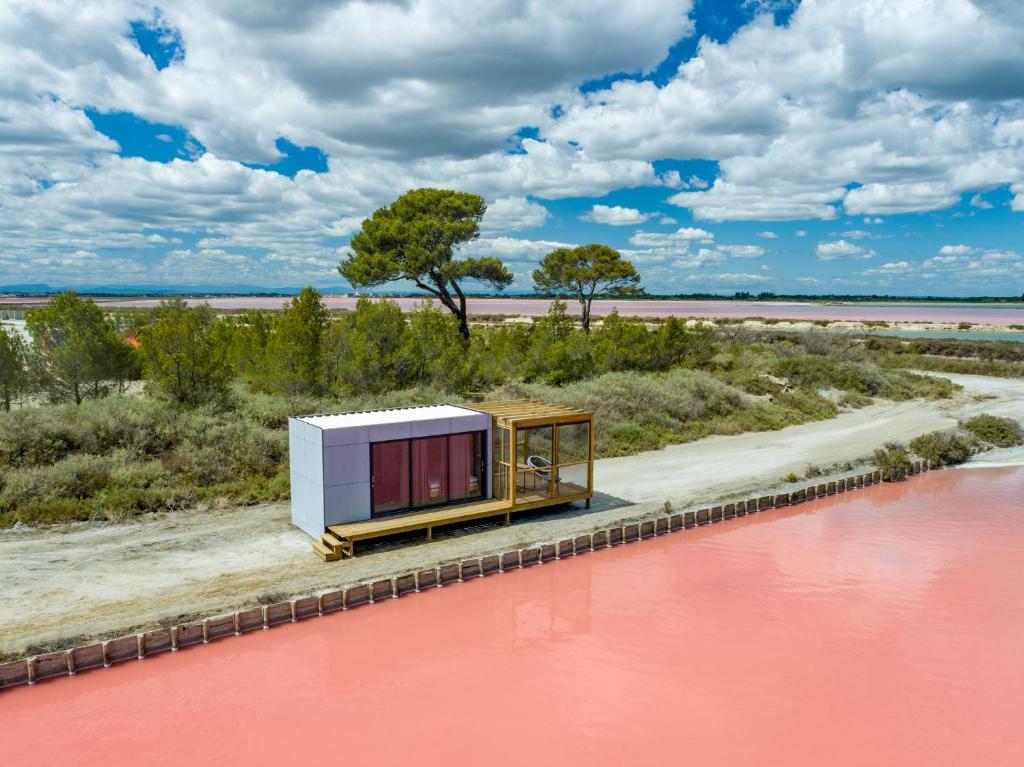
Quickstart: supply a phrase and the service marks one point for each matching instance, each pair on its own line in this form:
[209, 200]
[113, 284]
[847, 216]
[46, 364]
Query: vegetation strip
[138, 646]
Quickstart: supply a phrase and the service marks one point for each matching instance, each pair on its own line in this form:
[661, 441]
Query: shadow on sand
[599, 503]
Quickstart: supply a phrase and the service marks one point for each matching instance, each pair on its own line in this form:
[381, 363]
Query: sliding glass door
[390, 476]
[466, 465]
[419, 473]
[429, 471]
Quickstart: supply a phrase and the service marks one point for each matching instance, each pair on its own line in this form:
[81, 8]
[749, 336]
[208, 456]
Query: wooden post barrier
[141, 645]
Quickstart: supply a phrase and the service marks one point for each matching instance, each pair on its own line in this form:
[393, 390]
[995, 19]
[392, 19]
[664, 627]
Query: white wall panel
[388, 431]
[346, 503]
[345, 464]
[431, 428]
[349, 435]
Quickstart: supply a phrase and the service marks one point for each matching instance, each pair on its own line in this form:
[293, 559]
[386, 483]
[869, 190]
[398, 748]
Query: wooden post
[69, 658]
[30, 668]
[513, 455]
[590, 461]
[103, 652]
[238, 625]
[555, 461]
[174, 639]
[140, 643]
[206, 630]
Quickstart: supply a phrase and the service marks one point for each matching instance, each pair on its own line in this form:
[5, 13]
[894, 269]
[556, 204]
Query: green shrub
[995, 431]
[942, 448]
[893, 461]
[77, 476]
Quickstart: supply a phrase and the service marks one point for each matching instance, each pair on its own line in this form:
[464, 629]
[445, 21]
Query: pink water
[1003, 314]
[882, 627]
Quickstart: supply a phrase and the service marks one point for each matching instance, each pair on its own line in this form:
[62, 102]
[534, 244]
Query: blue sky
[755, 145]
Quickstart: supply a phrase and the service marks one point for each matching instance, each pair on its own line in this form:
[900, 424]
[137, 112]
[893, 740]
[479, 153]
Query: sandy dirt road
[60, 586]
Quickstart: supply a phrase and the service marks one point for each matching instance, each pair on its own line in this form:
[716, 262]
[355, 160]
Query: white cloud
[742, 251]
[906, 105]
[615, 215]
[955, 250]
[736, 278]
[891, 268]
[1004, 266]
[870, 108]
[510, 214]
[767, 235]
[832, 251]
[667, 221]
[800, 232]
[900, 198]
[680, 237]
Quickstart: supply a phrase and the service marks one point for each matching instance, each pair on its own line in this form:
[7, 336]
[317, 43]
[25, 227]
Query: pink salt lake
[995, 314]
[884, 626]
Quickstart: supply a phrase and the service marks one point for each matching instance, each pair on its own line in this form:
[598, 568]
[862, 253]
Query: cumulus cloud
[768, 235]
[680, 237]
[955, 250]
[510, 214]
[615, 215]
[870, 109]
[735, 278]
[891, 268]
[742, 251]
[849, 106]
[837, 249]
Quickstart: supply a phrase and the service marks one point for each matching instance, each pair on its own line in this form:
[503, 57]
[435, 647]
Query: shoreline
[72, 583]
[141, 644]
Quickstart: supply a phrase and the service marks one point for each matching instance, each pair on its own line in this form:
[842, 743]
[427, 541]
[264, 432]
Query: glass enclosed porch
[541, 452]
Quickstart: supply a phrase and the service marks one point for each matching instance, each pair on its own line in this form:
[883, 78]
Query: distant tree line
[189, 355]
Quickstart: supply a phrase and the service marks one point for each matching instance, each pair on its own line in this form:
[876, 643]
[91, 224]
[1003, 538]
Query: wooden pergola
[514, 419]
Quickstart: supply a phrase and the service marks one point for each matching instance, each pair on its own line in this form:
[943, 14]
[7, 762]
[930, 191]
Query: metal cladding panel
[431, 427]
[296, 469]
[346, 503]
[347, 435]
[345, 464]
[470, 422]
[388, 431]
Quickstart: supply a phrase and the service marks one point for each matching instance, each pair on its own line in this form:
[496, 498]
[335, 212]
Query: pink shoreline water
[879, 627]
[1005, 314]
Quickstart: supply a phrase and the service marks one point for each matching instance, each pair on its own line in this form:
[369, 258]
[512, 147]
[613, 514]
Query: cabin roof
[391, 415]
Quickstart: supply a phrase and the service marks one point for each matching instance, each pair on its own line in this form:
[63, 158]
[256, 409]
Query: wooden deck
[340, 540]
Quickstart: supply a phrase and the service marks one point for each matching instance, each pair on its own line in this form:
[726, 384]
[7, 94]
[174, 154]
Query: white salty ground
[63, 586]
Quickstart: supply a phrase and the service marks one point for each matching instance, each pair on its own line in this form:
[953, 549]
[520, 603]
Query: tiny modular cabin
[358, 476]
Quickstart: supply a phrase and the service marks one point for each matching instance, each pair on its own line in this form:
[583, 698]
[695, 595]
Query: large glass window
[429, 471]
[552, 461]
[390, 476]
[466, 466]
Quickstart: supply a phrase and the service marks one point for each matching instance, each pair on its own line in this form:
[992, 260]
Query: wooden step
[325, 553]
[332, 543]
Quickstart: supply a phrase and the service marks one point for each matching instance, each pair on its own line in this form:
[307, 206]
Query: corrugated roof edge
[381, 410]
